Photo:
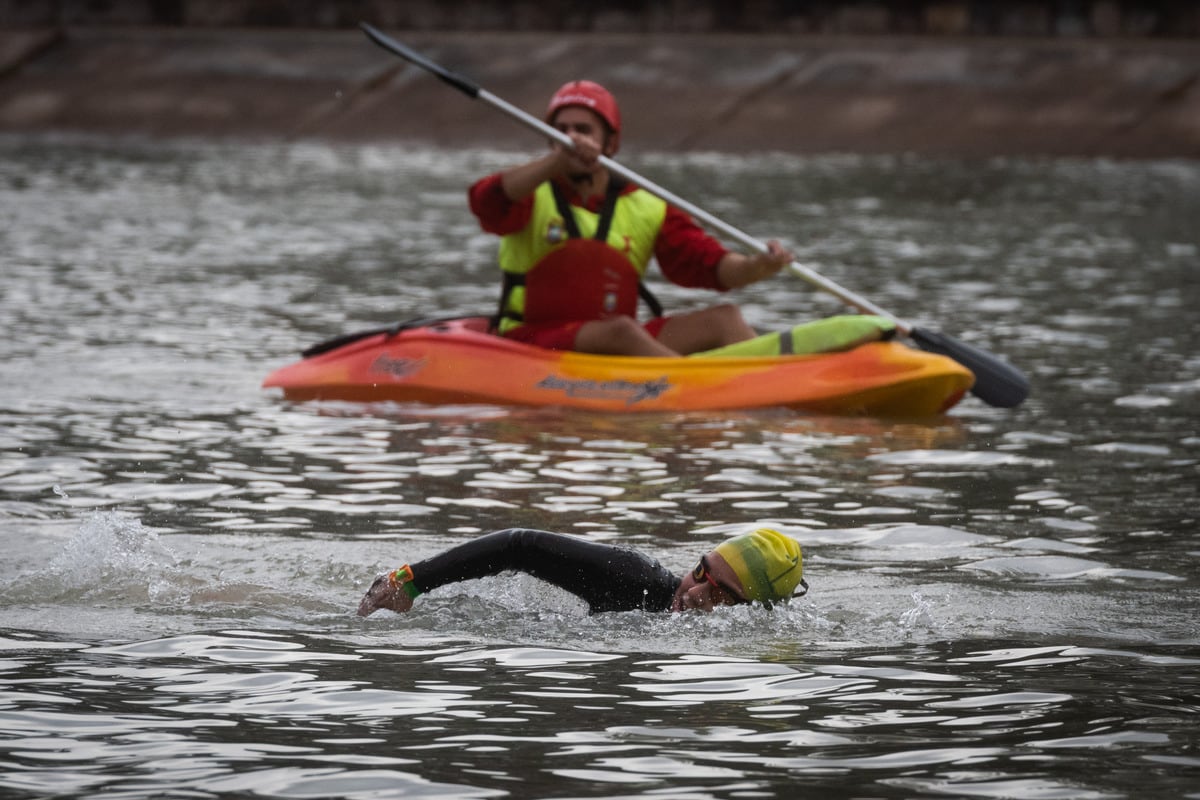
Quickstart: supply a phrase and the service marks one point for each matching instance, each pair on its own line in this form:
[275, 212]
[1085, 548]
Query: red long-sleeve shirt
[686, 254]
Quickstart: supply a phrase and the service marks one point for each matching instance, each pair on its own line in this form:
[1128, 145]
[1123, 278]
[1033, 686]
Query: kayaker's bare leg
[705, 329]
[619, 336]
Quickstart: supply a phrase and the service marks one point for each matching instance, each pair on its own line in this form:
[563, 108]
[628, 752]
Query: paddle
[996, 383]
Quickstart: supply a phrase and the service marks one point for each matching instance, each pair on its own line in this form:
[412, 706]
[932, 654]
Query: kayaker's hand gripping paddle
[996, 382]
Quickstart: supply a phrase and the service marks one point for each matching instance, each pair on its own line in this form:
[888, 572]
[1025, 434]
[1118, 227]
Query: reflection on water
[1004, 603]
[225, 712]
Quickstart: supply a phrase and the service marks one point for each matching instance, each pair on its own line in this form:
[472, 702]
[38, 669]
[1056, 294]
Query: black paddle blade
[996, 383]
[459, 82]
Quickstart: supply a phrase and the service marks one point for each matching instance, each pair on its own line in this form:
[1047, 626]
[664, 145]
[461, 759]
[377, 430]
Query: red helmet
[591, 96]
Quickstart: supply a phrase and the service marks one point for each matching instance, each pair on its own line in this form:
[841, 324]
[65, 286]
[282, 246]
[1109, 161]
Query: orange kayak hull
[458, 362]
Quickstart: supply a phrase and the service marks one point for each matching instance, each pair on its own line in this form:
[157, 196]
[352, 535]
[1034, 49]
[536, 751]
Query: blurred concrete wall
[1059, 18]
[915, 77]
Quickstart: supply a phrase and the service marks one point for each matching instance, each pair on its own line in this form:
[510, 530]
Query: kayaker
[576, 241]
[763, 566]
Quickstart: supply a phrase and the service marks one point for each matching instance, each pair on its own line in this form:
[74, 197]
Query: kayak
[457, 361]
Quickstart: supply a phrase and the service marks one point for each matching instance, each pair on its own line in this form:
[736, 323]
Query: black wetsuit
[606, 577]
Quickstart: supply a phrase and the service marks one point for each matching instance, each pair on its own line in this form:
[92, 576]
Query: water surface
[1004, 603]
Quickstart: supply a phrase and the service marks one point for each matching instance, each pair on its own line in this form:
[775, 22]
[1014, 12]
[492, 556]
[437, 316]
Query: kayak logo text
[630, 391]
[399, 368]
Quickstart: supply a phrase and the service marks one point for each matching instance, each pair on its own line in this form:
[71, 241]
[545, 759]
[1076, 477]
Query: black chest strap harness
[513, 280]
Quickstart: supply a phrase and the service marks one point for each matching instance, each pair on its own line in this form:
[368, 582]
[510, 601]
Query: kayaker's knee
[727, 324]
[706, 329]
[620, 335]
[728, 314]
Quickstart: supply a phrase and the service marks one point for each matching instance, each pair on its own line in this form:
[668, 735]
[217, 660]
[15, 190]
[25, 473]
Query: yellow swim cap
[768, 564]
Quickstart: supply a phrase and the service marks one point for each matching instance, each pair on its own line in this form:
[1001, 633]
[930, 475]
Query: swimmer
[762, 566]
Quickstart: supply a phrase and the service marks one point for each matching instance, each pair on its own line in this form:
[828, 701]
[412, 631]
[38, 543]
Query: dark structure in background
[963, 78]
[1058, 18]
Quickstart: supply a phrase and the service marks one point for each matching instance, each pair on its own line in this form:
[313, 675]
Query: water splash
[111, 555]
[919, 615]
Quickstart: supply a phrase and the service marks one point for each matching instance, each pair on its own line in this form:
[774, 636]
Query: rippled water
[1003, 604]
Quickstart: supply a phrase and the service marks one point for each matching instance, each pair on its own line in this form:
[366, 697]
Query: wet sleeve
[607, 578]
[495, 211]
[686, 254]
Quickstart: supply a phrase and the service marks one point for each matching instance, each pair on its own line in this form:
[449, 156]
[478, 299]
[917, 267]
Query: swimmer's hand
[384, 593]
